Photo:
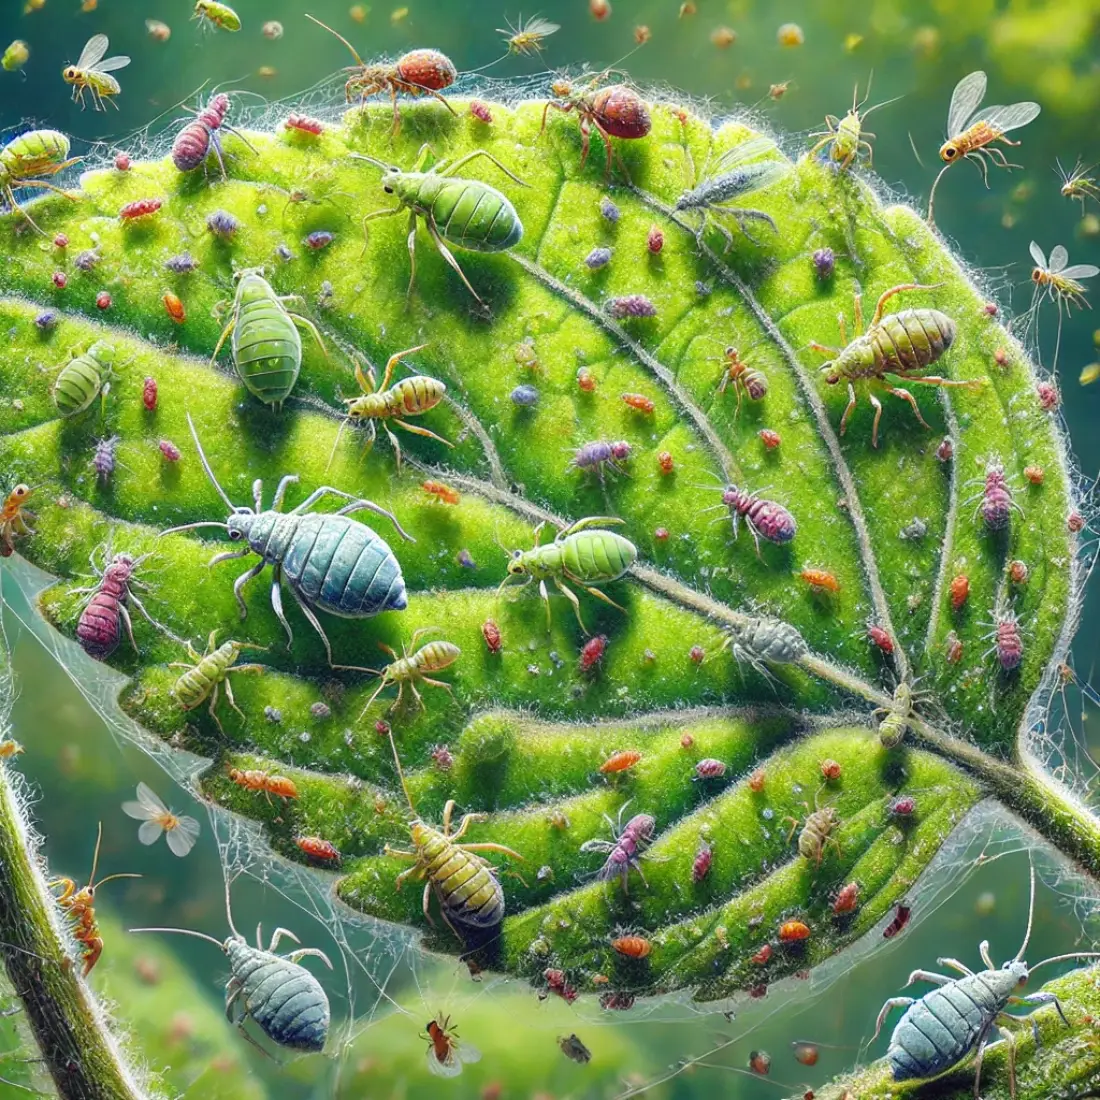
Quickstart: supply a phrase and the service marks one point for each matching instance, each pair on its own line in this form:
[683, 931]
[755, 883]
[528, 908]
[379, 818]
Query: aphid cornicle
[211, 670]
[579, 554]
[15, 518]
[900, 344]
[411, 668]
[85, 378]
[91, 73]
[360, 581]
[267, 347]
[283, 998]
[466, 213]
[941, 1028]
[35, 153]
[469, 893]
[411, 396]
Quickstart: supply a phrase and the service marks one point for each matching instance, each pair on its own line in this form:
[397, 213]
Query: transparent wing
[1081, 271]
[449, 1067]
[755, 147]
[182, 838]
[150, 831]
[137, 810]
[542, 27]
[1037, 255]
[467, 1053]
[148, 797]
[93, 51]
[112, 63]
[1011, 117]
[1059, 257]
[964, 101]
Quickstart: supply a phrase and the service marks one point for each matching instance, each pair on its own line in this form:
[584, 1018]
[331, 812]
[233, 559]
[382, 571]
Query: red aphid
[847, 898]
[793, 931]
[765, 519]
[170, 451]
[149, 393]
[700, 866]
[60, 280]
[807, 1054]
[991, 309]
[661, 534]
[139, 208]
[903, 806]
[1048, 395]
[1075, 523]
[556, 982]
[61, 241]
[304, 124]
[593, 652]
[953, 648]
[1034, 474]
[122, 162]
[425, 71]
[901, 919]
[633, 947]
[757, 780]
[996, 503]
[617, 1002]
[600, 9]
[760, 1062]
[686, 740]
[491, 633]
[758, 992]
[639, 402]
[830, 769]
[1007, 643]
[103, 300]
[769, 438]
[665, 462]
[821, 580]
[382, 728]
[443, 758]
[256, 780]
[655, 240]
[441, 492]
[710, 769]
[960, 591]
[99, 629]
[318, 848]
[617, 111]
[481, 111]
[1000, 357]
[173, 306]
[880, 637]
[620, 761]
[946, 450]
[763, 955]
[697, 654]
[586, 381]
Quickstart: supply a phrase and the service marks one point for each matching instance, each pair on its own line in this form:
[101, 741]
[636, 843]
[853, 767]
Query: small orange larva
[756, 780]
[639, 402]
[793, 931]
[633, 947]
[620, 761]
[173, 306]
[820, 580]
[830, 769]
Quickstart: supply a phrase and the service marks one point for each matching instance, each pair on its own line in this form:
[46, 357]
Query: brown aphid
[1034, 474]
[633, 947]
[1018, 571]
[1075, 522]
[953, 648]
[417, 73]
[816, 833]
[686, 741]
[318, 848]
[723, 37]
[847, 899]
[757, 780]
[806, 1053]
[960, 591]
[558, 820]
[830, 769]
[491, 633]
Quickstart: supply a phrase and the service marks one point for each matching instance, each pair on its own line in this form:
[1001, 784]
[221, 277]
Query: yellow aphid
[1089, 374]
[398, 15]
[790, 34]
[267, 72]
[526, 38]
[10, 748]
[1078, 184]
[92, 72]
[357, 13]
[215, 14]
[15, 56]
[411, 666]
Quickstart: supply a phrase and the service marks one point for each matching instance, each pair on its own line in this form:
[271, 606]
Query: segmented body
[892, 728]
[15, 518]
[1008, 645]
[816, 833]
[99, 629]
[600, 453]
[767, 640]
[408, 397]
[900, 343]
[765, 519]
[466, 213]
[83, 379]
[35, 153]
[625, 849]
[590, 557]
[996, 502]
[253, 779]
[615, 111]
[941, 1028]
[286, 1000]
[196, 684]
[267, 347]
[416, 73]
[746, 380]
[468, 891]
[412, 668]
[318, 848]
[139, 208]
[217, 15]
[193, 143]
[101, 85]
[727, 186]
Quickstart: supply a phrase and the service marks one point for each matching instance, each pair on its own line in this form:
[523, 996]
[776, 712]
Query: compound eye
[234, 535]
[950, 152]
[832, 379]
[387, 188]
[1036, 276]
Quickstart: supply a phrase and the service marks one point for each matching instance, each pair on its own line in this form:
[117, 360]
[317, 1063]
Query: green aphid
[579, 554]
[15, 56]
[84, 378]
[35, 153]
[267, 347]
[466, 213]
[217, 15]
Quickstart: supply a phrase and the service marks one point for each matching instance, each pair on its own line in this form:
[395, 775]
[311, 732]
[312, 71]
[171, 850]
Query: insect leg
[314, 952]
[983, 951]
[416, 430]
[980, 1045]
[929, 976]
[229, 694]
[277, 607]
[892, 1003]
[124, 615]
[584, 524]
[213, 712]
[448, 255]
[304, 322]
[280, 493]
[599, 595]
[887, 295]
[221, 339]
[962, 968]
[435, 683]
[472, 156]
[905, 395]
[571, 596]
[216, 145]
[242, 580]
[546, 600]
[1042, 999]
[490, 847]
[357, 504]
[878, 416]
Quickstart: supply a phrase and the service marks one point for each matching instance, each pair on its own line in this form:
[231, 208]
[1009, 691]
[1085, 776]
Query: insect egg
[149, 393]
[122, 162]
[103, 300]
[655, 240]
[169, 450]
[710, 769]
[830, 769]
[806, 1053]
[491, 633]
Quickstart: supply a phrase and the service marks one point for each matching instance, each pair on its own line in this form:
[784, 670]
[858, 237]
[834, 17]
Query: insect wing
[147, 807]
[150, 831]
[450, 1066]
[1080, 271]
[111, 64]
[965, 99]
[1011, 117]
[1059, 257]
[468, 1054]
[1037, 256]
[93, 51]
[754, 147]
[182, 838]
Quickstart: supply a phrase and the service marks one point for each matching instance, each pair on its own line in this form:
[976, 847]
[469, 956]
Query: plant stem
[80, 1053]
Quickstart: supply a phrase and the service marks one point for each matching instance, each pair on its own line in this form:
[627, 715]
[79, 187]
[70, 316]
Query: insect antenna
[229, 908]
[401, 773]
[335, 444]
[182, 932]
[206, 466]
[370, 160]
[1030, 917]
[354, 54]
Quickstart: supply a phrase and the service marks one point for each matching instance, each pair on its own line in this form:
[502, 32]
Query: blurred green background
[167, 992]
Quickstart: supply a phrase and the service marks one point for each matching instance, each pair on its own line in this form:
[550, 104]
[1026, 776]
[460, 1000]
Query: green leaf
[526, 731]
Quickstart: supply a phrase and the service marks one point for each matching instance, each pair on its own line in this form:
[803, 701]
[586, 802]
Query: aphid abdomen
[191, 146]
[267, 349]
[772, 521]
[416, 395]
[195, 685]
[341, 566]
[34, 153]
[595, 556]
[286, 1000]
[436, 656]
[99, 628]
[77, 385]
[467, 890]
[475, 216]
[911, 340]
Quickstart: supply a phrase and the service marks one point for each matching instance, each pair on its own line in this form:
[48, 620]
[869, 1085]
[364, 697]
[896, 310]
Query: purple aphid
[100, 627]
[600, 453]
[1008, 645]
[995, 503]
[525, 396]
[46, 320]
[609, 210]
[632, 305]
[598, 257]
[765, 518]
[104, 458]
[183, 264]
[710, 769]
[824, 263]
[625, 849]
[222, 224]
[318, 239]
[87, 260]
[700, 866]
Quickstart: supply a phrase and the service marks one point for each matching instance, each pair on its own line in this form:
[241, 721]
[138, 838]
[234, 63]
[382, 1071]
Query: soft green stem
[68, 1026]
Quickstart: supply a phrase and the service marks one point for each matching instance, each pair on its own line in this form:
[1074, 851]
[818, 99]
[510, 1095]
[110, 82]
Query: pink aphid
[996, 501]
[700, 866]
[194, 142]
[624, 850]
[1007, 643]
[765, 519]
[304, 124]
[600, 453]
[710, 769]
[100, 627]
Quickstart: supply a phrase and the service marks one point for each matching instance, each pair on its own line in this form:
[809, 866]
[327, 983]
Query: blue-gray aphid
[284, 999]
[733, 178]
[941, 1028]
[329, 561]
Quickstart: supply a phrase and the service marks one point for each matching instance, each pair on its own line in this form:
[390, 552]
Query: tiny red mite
[122, 162]
[140, 208]
[304, 124]
[710, 769]
[1048, 395]
[600, 9]
[170, 451]
[318, 848]
[757, 992]
[620, 761]
[990, 309]
[946, 450]
[103, 300]
[655, 240]
[585, 380]
[697, 653]
[441, 491]
[1034, 474]
[760, 1061]
[639, 402]
[769, 438]
[1075, 522]
[443, 758]
[881, 638]
[901, 919]
[593, 652]
[763, 955]
[904, 806]
[1000, 357]
[665, 462]
[686, 740]
[491, 633]
[830, 769]
[954, 648]
[556, 983]
[174, 308]
[661, 534]
[60, 280]
[633, 947]
[149, 393]
[960, 591]
[382, 728]
[820, 580]
[481, 111]
[61, 241]
[847, 898]
[757, 780]
[793, 931]
[700, 866]
[255, 780]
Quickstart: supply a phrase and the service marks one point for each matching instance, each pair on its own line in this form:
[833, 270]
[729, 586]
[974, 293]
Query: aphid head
[1037, 275]
[1019, 970]
[620, 450]
[949, 151]
[730, 496]
[516, 567]
[21, 492]
[562, 88]
[832, 375]
[240, 523]
[70, 73]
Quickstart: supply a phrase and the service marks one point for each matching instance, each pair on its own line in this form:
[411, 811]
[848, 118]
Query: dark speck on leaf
[222, 224]
[47, 319]
[273, 715]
